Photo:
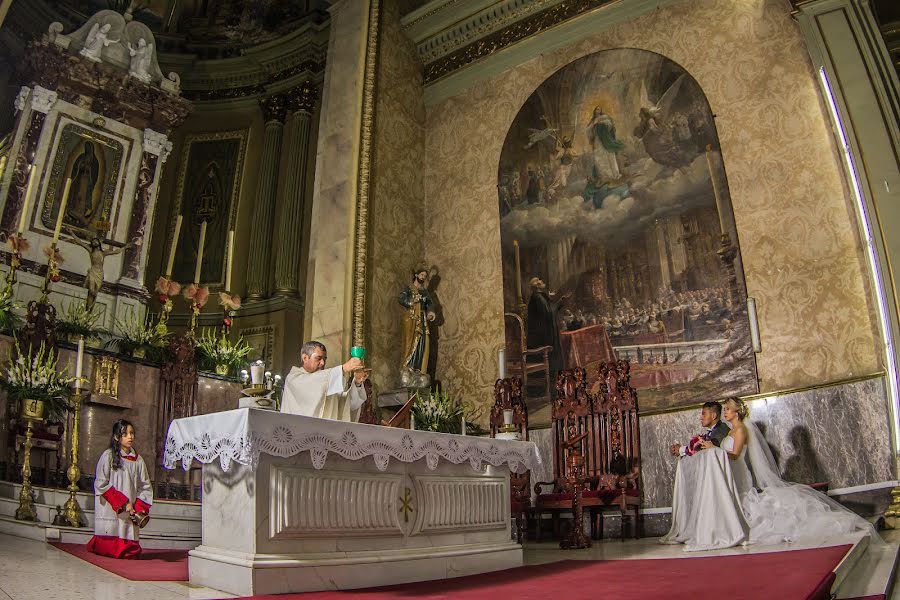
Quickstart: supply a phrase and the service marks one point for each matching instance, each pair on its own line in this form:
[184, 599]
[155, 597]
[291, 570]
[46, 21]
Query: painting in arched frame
[613, 203]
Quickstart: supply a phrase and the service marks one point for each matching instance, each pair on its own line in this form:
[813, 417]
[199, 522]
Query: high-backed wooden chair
[508, 396]
[611, 449]
[616, 451]
[524, 362]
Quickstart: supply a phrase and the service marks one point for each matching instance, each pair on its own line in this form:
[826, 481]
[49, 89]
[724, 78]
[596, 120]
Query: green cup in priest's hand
[358, 352]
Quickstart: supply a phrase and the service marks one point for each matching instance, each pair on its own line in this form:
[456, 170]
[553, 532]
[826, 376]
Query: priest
[312, 390]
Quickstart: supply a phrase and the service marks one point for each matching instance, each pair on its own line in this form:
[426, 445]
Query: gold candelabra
[72, 514]
[31, 411]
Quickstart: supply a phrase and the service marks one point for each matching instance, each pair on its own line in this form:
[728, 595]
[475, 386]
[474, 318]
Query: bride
[733, 495]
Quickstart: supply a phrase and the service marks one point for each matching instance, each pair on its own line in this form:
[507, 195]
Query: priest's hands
[352, 365]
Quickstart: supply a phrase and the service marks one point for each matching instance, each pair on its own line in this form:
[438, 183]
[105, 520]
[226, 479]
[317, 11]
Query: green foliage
[214, 348]
[438, 412]
[34, 376]
[9, 320]
[140, 337]
[77, 321]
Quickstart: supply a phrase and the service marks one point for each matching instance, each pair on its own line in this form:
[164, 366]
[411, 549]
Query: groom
[713, 429]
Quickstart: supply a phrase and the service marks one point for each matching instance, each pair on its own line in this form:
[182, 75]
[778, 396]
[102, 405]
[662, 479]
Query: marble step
[872, 573]
[72, 535]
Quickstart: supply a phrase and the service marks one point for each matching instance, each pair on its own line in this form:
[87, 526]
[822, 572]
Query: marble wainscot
[297, 504]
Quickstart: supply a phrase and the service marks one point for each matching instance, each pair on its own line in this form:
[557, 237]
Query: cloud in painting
[655, 192]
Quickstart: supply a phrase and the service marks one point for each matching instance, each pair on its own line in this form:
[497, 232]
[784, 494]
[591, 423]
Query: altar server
[314, 391]
[124, 496]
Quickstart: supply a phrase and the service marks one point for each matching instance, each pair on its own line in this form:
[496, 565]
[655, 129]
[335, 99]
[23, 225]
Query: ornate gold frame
[235, 198]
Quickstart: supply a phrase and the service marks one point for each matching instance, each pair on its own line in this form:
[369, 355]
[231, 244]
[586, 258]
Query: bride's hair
[738, 405]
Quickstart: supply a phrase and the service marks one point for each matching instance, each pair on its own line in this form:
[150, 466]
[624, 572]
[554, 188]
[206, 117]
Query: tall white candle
[79, 362]
[173, 247]
[256, 374]
[412, 421]
[200, 253]
[62, 209]
[501, 360]
[2, 166]
[462, 428]
[27, 203]
[230, 260]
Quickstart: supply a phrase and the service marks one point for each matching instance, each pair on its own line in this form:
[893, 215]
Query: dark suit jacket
[718, 433]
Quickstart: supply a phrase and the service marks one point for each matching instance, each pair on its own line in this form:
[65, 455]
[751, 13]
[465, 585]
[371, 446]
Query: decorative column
[287, 260]
[42, 101]
[261, 229]
[156, 148]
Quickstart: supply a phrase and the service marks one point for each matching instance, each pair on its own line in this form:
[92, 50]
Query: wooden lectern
[401, 419]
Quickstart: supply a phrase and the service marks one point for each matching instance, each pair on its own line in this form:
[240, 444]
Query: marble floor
[32, 570]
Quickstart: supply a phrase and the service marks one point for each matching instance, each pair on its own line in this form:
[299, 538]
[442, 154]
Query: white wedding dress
[719, 502]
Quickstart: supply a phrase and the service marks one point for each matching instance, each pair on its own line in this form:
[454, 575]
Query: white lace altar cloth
[242, 435]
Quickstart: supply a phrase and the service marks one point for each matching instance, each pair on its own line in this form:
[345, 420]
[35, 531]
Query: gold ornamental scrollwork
[503, 38]
[106, 376]
[360, 254]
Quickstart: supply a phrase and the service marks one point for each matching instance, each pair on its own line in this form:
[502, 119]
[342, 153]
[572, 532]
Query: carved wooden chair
[524, 362]
[508, 397]
[611, 449]
[616, 451]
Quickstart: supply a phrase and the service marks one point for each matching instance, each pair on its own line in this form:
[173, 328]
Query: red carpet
[793, 575]
[154, 565]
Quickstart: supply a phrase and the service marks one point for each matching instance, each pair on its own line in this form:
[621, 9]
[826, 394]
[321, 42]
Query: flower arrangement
[139, 337]
[230, 303]
[197, 296]
[437, 412]
[220, 351]
[17, 245]
[34, 376]
[166, 288]
[77, 320]
[54, 259]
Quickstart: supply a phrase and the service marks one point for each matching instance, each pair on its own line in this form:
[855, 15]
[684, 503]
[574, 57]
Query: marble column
[261, 229]
[290, 222]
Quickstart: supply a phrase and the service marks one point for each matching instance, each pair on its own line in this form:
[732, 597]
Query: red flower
[55, 278]
[227, 321]
[163, 298]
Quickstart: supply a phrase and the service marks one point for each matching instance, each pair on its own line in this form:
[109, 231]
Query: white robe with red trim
[114, 489]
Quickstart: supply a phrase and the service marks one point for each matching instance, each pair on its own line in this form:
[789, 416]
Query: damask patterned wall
[397, 206]
[794, 219]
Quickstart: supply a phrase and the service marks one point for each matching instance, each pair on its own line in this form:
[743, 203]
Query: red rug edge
[122, 568]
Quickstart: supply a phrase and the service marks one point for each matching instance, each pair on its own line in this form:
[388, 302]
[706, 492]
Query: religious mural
[613, 204]
[208, 186]
[93, 161]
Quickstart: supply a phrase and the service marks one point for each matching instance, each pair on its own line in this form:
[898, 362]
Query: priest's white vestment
[322, 394]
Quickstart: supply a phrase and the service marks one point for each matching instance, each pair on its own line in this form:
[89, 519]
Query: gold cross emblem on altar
[406, 504]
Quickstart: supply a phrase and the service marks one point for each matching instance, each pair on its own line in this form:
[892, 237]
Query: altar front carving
[296, 504]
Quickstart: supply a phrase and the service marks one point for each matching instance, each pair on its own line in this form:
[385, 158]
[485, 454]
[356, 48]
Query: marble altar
[296, 504]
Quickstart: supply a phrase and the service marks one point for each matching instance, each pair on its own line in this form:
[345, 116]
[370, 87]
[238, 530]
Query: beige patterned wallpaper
[397, 208]
[795, 221]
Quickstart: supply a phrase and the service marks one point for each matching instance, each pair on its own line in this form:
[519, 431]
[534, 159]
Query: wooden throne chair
[523, 362]
[611, 450]
[508, 397]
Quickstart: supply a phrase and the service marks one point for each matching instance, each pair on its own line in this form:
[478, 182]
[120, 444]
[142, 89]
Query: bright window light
[872, 255]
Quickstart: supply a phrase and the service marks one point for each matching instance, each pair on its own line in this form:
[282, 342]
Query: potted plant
[438, 412]
[214, 348]
[140, 339]
[34, 381]
[77, 321]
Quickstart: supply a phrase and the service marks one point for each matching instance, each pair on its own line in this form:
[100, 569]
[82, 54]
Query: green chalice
[358, 352]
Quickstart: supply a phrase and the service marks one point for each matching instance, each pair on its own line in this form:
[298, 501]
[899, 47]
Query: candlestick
[715, 187]
[79, 362]
[518, 264]
[200, 253]
[62, 210]
[173, 247]
[230, 260]
[27, 202]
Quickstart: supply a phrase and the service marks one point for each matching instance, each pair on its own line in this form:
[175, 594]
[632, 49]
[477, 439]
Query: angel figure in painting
[93, 280]
[141, 56]
[97, 40]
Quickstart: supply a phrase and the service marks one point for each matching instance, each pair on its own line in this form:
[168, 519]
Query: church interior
[550, 248]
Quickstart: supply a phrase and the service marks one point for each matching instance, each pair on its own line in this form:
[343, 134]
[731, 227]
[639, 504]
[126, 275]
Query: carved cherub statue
[141, 57]
[97, 40]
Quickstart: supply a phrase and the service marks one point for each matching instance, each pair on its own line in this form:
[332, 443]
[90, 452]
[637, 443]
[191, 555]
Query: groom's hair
[715, 407]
